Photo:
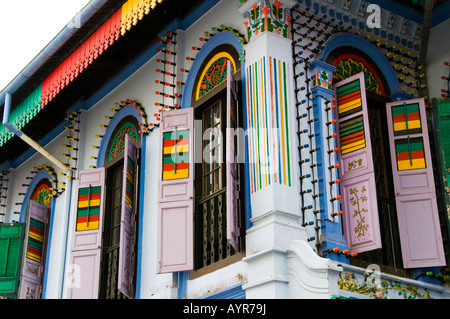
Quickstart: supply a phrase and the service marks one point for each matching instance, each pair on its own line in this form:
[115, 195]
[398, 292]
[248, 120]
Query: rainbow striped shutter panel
[127, 218]
[175, 199]
[88, 214]
[417, 212]
[352, 135]
[35, 244]
[406, 119]
[35, 240]
[410, 154]
[176, 155]
[87, 237]
[357, 187]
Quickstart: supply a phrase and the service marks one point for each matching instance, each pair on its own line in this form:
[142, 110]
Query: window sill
[216, 266]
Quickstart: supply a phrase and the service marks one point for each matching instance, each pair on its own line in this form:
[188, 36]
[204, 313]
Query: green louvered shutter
[11, 244]
[442, 122]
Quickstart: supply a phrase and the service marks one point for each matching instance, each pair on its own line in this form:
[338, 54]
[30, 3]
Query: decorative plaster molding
[263, 15]
[308, 274]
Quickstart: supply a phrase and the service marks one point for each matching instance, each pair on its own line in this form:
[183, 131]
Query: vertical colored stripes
[277, 120]
[35, 240]
[267, 154]
[264, 116]
[286, 120]
[250, 136]
[267, 96]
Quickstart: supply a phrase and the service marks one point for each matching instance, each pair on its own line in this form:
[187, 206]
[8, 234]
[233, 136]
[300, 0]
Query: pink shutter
[34, 255]
[127, 218]
[358, 190]
[417, 212]
[87, 235]
[175, 204]
[231, 163]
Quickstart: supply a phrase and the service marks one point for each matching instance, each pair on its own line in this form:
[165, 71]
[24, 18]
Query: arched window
[120, 211]
[213, 204]
[104, 241]
[387, 185]
[36, 239]
[116, 146]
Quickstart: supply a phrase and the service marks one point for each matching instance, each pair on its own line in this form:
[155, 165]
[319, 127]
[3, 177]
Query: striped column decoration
[268, 117]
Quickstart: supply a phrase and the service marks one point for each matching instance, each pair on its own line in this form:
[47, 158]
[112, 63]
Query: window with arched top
[386, 172]
[37, 224]
[116, 146]
[206, 189]
[104, 241]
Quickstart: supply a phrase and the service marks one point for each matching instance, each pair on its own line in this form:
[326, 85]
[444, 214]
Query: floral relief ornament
[267, 17]
[379, 290]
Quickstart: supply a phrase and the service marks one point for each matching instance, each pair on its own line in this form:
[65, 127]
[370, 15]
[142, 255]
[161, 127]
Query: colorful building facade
[230, 150]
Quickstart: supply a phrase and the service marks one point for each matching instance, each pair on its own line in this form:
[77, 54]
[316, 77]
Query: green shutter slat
[443, 107]
[444, 125]
[349, 88]
[4, 252]
[9, 257]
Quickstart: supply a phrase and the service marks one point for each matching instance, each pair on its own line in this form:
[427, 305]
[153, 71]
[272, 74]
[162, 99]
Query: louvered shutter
[87, 235]
[175, 203]
[11, 247]
[127, 218]
[442, 122]
[35, 244]
[358, 189]
[417, 212]
[231, 163]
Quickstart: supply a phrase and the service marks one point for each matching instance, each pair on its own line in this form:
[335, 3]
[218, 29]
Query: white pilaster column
[273, 153]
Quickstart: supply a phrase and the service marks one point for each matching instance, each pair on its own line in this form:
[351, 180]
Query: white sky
[26, 27]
